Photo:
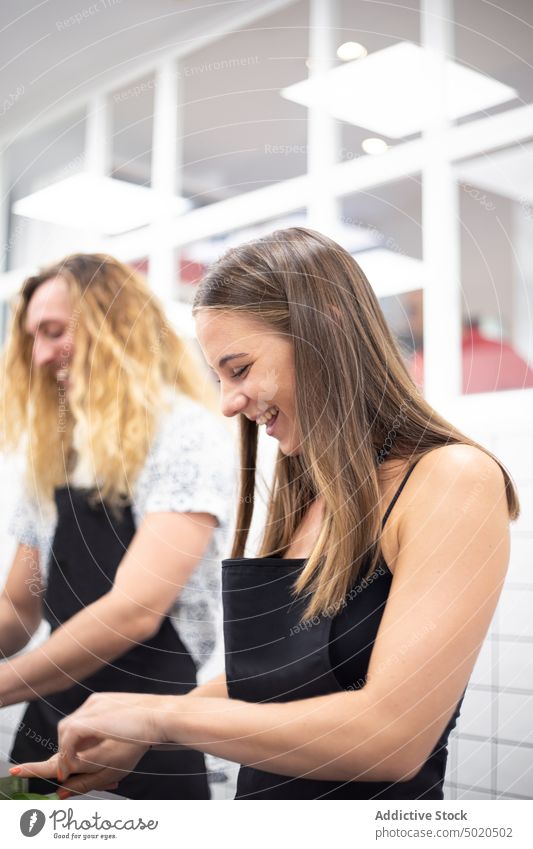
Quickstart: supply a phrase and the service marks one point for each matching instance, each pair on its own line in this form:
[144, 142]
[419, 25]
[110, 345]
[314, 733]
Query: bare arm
[157, 565]
[20, 602]
[448, 576]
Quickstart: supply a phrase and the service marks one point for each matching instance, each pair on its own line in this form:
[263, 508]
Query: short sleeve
[191, 466]
[23, 524]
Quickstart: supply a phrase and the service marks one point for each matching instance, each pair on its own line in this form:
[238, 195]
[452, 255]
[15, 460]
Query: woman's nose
[232, 403]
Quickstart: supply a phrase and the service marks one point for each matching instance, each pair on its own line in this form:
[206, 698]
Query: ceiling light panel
[388, 91]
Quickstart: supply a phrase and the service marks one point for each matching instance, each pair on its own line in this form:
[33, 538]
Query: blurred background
[165, 132]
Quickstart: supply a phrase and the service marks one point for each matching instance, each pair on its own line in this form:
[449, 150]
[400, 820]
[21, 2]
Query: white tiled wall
[491, 753]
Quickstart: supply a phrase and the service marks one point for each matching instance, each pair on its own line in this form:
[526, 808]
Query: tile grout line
[495, 657]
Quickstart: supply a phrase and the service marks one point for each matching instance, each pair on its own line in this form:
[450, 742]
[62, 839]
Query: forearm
[88, 641]
[15, 629]
[338, 737]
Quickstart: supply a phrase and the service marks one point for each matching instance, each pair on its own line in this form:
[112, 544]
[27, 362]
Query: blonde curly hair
[126, 356]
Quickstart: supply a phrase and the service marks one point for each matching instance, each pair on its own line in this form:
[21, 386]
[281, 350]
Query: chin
[290, 451]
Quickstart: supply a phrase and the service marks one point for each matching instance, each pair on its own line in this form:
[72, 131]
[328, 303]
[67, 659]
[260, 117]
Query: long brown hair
[356, 403]
[126, 358]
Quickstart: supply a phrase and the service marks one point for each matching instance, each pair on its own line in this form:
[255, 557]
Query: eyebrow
[42, 324]
[222, 362]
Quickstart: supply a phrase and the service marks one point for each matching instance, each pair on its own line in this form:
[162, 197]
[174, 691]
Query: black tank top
[261, 669]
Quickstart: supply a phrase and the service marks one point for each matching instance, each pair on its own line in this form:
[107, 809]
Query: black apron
[271, 656]
[88, 546]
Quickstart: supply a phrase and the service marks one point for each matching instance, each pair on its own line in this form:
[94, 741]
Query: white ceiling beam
[486, 134]
[226, 23]
[166, 150]
[345, 178]
[233, 213]
[323, 131]
[440, 216]
[97, 153]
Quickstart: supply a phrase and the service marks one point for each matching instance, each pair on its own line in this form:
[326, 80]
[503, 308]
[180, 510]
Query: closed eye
[240, 371]
[237, 373]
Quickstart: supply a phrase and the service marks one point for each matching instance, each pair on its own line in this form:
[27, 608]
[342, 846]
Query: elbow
[396, 748]
[404, 759]
[393, 758]
[405, 770]
[27, 623]
[132, 622]
[392, 769]
[146, 626]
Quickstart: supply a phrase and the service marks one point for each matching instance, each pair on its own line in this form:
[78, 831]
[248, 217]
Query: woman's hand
[98, 767]
[126, 722]
[102, 741]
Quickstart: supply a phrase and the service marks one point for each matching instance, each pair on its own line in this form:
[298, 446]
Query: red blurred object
[488, 366]
[191, 272]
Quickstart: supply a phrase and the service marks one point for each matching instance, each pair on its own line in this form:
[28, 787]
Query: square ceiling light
[387, 91]
[97, 204]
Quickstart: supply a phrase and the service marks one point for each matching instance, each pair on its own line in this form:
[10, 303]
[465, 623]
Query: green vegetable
[12, 784]
[34, 796]
[14, 787]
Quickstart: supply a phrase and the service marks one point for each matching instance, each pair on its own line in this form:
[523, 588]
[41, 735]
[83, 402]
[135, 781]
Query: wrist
[12, 690]
[165, 713]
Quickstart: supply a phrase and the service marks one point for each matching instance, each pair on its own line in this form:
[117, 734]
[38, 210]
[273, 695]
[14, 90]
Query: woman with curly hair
[124, 513]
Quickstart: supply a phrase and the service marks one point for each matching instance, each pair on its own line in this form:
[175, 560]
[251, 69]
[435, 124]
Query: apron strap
[398, 493]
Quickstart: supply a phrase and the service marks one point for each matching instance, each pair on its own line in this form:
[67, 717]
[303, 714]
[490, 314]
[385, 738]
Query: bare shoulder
[458, 479]
[459, 466]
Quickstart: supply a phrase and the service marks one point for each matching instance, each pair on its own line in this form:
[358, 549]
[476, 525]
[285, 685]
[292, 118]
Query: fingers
[37, 769]
[81, 784]
[74, 739]
[77, 785]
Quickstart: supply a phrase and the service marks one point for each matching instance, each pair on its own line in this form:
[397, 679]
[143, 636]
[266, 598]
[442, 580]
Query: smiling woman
[351, 636]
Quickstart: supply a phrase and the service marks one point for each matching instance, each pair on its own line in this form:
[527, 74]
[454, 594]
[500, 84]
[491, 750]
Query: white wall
[491, 751]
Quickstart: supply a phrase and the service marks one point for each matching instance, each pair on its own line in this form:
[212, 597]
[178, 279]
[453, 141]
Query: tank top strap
[398, 493]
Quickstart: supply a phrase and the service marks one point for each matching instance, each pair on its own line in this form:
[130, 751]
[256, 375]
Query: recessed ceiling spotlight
[374, 146]
[351, 50]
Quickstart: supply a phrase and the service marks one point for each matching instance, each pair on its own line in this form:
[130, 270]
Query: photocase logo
[32, 822]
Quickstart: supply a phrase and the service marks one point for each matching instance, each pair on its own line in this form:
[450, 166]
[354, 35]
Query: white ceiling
[238, 132]
[56, 58]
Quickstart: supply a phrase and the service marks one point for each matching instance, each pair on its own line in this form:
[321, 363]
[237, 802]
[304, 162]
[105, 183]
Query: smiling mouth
[271, 424]
[267, 416]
